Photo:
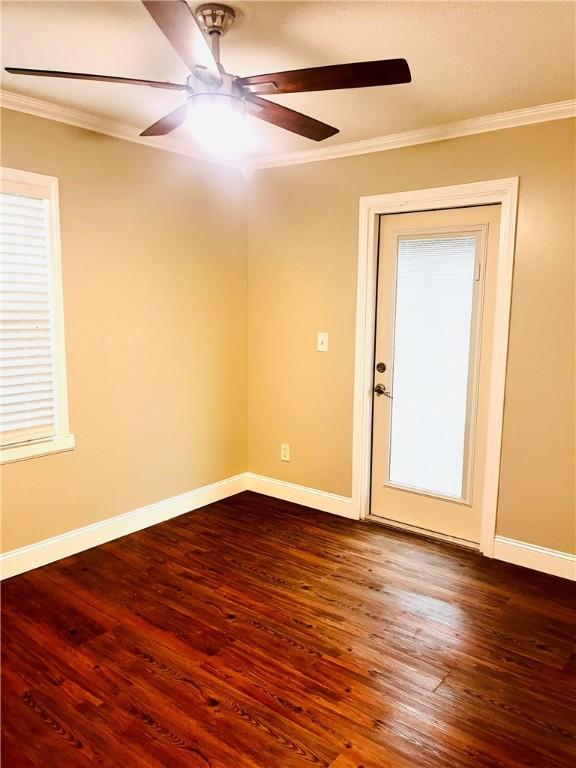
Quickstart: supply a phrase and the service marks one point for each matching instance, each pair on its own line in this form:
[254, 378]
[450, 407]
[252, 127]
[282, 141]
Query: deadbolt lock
[381, 367]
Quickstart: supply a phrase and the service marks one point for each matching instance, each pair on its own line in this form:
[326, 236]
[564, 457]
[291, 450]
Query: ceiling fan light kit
[195, 36]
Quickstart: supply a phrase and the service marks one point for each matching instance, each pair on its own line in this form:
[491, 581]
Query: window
[33, 399]
[433, 353]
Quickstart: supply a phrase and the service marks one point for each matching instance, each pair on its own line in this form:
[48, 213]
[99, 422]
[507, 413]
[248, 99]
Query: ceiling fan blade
[98, 78]
[183, 32]
[289, 119]
[362, 74]
[167, 123]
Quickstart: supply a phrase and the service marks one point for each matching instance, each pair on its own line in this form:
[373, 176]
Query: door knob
[380, 389]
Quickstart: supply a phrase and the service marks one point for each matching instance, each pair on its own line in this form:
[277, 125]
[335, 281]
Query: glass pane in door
[432, 351]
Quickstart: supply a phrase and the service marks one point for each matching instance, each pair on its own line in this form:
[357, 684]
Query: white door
[435, 308]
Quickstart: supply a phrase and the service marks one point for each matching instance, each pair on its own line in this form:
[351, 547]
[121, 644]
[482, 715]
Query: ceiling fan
[196, 38]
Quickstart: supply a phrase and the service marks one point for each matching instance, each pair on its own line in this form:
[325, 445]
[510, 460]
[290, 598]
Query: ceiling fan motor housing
[200, 82]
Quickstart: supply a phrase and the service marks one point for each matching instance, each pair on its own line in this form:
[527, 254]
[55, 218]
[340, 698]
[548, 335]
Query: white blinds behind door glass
[432, 348]
[27, 380]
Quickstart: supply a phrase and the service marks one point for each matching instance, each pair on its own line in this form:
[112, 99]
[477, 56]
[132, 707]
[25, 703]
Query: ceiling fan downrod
[215, 20]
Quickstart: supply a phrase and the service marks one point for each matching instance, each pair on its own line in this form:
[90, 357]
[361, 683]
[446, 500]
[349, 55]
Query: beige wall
[302, 226]
[154, 261]
[155, 312]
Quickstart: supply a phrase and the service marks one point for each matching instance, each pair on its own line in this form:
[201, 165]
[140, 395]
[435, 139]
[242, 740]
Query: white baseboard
[538, 558]
[48, 550]
[299, 494]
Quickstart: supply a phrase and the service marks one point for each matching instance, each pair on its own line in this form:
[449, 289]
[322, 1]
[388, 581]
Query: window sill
[21, 452]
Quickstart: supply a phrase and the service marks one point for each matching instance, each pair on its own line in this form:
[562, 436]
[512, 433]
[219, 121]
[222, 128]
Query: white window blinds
[29, 385]
[432, 351]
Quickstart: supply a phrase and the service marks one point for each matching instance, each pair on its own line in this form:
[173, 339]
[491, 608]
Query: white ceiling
[467, 59]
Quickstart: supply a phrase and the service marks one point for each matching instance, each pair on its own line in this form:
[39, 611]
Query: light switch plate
[322, 341]
[284, 451]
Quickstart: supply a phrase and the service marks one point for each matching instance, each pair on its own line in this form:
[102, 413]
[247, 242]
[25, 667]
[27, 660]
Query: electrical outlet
[284, 452]
[322, 341]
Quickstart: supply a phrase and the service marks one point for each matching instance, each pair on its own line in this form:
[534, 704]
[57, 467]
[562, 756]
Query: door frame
[498, 191]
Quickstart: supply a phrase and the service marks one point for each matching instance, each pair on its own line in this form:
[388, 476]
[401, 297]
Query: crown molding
[559, 110]
[80, 119]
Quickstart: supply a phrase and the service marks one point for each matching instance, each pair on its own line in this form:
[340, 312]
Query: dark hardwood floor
[259, 634]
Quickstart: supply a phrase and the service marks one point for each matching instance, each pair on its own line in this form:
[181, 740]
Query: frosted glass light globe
[218, 123]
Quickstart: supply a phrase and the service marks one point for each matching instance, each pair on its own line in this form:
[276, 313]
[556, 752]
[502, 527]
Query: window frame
[14, 181]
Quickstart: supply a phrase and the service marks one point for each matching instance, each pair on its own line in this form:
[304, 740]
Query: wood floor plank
[259, 634]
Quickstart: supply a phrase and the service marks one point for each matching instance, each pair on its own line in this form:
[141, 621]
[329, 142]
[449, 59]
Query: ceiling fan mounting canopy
[214, 18]
[195, 36]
